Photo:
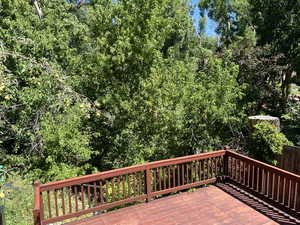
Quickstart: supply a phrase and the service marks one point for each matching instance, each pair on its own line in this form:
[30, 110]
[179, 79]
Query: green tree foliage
[273, 23]
[260, 74]
[266, 142]
[281, 31]
[109, 84]
[231, 16]
[36, 91]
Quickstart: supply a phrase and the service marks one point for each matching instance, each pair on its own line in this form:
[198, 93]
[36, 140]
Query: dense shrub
[266, 142]
[17, 198]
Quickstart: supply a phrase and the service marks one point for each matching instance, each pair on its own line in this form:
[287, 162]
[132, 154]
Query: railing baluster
[187, 173]
[205, 171]
[164, 176]
[284, 191]
[200, 170]
[278, 187]
[124, 186]
[173, 172]
[268, 183]
[112, 189]
[262, 181]
[257, 182]
[134, 182]
[159, 177]
[95, 194]
[169, 178]
[230, 166]
[178, 175]
[89, 195]
[217, 162]
[82, 197]
[290, 193]
[140, 181]
[76, 198]
[194, 172]
[106, 191]
[210, 167]
[128, 185]
[63, 201]
[101, 192]
[253, 179]
[55, 201]
[182, 173]
[296, 196]
[273, 186]
[244, 171]
[118, 188]
[70, 199]
[196, 178]
[235, 170]
[241, 172]
[248, 175]
[49, 204]
[155, 179]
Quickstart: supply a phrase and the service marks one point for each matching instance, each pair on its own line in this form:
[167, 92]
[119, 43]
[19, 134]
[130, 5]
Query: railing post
[37, 214]
[148, 184]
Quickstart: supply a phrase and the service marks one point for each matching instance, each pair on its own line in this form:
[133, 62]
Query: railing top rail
[131, 169]
[264, 165]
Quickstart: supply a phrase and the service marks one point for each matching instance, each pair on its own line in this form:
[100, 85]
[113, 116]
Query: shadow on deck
[215, 204]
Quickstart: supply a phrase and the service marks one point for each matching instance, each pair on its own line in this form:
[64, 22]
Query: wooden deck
[220, 204]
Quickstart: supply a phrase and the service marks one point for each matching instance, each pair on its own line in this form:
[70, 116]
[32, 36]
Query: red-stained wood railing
[271, 183]
[61, 200]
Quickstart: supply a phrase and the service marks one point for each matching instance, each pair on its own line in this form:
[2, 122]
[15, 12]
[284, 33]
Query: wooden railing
[275, 185]
[61, 200]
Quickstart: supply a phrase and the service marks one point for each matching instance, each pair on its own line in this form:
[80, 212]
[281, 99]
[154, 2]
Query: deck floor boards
[219, 205]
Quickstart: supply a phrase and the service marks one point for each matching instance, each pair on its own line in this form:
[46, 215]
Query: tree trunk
[286, 87]
[253, 120]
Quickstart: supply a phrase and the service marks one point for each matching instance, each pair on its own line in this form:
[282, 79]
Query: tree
[231, 16]
[109, 84]
[35, 91]
[239, 18]
[282, 32]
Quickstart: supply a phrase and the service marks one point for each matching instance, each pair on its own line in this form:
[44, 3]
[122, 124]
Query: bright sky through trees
[210, 25]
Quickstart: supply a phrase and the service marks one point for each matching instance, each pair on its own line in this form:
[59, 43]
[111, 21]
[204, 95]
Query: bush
[266, 142]
[291, 121]
[17, 197]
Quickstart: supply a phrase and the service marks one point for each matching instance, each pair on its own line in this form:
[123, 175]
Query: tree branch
[79, 4]
[38, 9]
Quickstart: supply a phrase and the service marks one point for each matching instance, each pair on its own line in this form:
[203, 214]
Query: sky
[210, 25]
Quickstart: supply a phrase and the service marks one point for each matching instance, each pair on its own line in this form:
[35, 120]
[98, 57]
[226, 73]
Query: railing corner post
[37, 212]
[148, 183]
[37, 217]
